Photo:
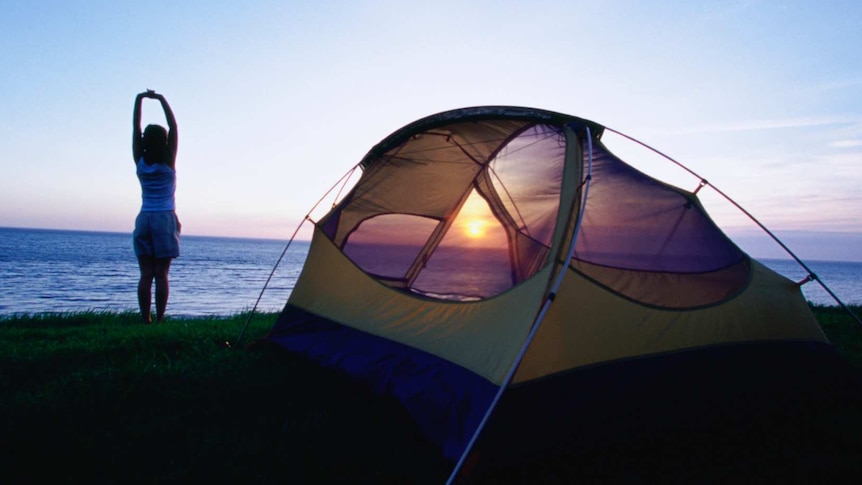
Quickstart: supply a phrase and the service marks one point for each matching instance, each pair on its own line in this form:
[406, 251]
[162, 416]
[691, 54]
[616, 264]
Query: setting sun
[476, 228]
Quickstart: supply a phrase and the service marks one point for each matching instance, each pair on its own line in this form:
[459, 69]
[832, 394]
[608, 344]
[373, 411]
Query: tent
[515, 285]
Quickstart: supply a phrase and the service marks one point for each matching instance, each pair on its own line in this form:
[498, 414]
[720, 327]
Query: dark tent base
[750, 413]
[771, 412]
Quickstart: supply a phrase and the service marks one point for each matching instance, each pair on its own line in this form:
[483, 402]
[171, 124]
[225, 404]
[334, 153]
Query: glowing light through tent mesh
[475, 228]
[476, 225]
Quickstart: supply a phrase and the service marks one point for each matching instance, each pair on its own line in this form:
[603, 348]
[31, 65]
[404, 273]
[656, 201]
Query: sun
[475, 228]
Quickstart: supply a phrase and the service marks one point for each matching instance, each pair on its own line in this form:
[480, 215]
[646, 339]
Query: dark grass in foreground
[99, 398]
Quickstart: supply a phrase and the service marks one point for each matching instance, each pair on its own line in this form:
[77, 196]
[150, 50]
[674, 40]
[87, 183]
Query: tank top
[158, 185]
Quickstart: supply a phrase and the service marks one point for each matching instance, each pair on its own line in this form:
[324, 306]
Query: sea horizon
[784, 257]
[129, 233]
[68, 270]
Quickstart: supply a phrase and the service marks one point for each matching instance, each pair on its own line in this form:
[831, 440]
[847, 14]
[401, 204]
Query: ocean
[67, 271]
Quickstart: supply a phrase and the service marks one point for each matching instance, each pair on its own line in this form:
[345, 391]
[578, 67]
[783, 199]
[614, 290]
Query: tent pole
[344, 178]
[536, 323]
[266, 284]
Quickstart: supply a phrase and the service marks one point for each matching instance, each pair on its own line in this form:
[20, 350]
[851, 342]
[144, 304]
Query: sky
[277, 100]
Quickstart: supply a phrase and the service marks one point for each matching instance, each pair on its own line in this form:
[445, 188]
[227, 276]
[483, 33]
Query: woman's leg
[161, 268]
[145, 284]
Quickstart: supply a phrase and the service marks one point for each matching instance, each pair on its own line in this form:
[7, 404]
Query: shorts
[157, 234]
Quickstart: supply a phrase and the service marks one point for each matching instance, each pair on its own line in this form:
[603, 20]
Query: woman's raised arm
[137, 145]
[173, 136]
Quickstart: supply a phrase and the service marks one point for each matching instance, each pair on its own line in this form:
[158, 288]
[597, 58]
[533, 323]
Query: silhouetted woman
[157, 229]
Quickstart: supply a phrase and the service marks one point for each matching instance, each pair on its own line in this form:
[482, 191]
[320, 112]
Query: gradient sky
[276, 100]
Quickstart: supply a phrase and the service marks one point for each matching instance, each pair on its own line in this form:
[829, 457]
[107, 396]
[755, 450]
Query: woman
[157, 229]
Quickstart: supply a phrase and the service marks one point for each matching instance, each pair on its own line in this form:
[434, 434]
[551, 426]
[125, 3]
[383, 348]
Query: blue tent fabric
[446, 401]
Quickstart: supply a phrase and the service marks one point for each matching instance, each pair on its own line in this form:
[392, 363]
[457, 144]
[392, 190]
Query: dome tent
[515, 285]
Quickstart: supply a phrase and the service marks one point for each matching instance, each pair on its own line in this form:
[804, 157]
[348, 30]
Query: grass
[842, 330]
[99, 398]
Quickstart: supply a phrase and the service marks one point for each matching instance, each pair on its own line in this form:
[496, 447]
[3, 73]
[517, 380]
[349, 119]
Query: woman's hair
[155, 144]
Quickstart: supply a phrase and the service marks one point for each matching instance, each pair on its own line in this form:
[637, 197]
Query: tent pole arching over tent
[535, 327]
[703, 182]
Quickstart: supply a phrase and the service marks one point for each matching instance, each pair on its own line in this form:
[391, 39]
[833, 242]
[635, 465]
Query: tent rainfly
[494, 249]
